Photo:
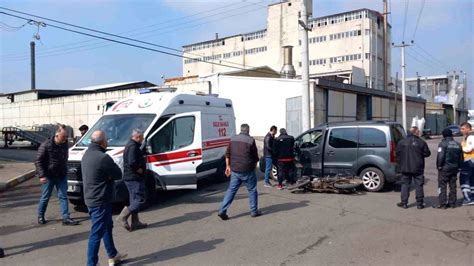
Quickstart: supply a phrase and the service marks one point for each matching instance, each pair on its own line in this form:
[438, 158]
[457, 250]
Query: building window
[254, 35]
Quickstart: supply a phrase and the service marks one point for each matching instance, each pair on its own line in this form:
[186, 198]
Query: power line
[418, 20]
[422, 62]
[137, 46]
[428, 58]
[405, 19]
[26, 55]
[54, 53]
[9, 28]
[430, 55]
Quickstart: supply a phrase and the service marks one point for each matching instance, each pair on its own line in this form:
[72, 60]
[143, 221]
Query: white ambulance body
[186, 136]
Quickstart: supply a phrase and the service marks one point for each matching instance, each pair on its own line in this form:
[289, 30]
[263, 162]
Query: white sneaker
[117, 259]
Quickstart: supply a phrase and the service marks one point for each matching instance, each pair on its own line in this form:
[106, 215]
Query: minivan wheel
[373, 179]
[274, 174]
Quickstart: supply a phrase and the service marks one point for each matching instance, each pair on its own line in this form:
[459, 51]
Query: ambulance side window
[175, 135]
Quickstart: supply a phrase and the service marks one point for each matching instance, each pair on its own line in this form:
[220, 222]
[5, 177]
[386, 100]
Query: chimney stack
[288, 70]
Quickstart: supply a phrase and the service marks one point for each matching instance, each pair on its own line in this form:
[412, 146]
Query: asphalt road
[296, 229]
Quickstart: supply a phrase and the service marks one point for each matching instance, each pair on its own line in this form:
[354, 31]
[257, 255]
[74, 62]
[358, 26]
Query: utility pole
[303, 32]
[385, 48]
[33, 74]
[404, 99]
[396, 94]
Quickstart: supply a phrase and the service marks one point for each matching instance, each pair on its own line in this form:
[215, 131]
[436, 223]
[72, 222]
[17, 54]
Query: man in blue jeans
[241, 159]
[98, 174]
[268, 154]
[51, 167]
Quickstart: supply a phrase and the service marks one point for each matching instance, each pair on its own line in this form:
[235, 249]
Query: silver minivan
[364, 149]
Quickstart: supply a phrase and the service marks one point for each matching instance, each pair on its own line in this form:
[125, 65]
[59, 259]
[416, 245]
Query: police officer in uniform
[449, 162]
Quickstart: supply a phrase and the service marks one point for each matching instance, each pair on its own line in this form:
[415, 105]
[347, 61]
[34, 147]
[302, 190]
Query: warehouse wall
[70, 110]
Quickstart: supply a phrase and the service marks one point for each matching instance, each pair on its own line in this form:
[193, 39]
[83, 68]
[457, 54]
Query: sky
[65, 60]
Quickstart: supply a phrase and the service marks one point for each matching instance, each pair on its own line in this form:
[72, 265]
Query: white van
[186, 136]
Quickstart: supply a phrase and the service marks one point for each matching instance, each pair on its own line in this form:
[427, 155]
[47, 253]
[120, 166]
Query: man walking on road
[51, 166]
[466, 177]
[241, 159]
[411, 154]
[448, 162]
[134, 168]
[268, 154]
[98, 173]
[283, 149]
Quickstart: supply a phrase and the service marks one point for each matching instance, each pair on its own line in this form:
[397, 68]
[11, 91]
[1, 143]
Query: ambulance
[186, 136]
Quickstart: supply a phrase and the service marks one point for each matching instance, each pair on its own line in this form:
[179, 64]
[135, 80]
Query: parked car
[455, 129]
[364, 149]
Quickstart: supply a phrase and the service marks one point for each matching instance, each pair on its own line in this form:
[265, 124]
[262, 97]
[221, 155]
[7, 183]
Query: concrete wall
[342, 106]
[260, 102]
[70, 110]
[380, 108]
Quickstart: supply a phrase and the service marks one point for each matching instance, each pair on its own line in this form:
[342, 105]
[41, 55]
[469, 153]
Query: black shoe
[452, 206]
[2, 253]
[402, 205]
[256, 214]
[41, 220]
[69, 221]
[223, 216]
[440, 206]
[419, 207]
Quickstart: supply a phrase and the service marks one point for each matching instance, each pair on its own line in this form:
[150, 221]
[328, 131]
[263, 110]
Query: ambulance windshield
[118, 128]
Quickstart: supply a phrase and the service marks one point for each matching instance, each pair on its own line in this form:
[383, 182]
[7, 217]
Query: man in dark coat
[134, 167]
[98, 174]
[283, 149]
[268, 154]
[449, 161]
[411, 153]
[51, 167]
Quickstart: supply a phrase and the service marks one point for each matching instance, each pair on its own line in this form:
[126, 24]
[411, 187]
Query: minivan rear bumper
[391, 175]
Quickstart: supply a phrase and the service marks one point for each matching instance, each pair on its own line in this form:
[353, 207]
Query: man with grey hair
[98, 174]
[134, 168]
[411, 153]
[241, 159]
[51, 166]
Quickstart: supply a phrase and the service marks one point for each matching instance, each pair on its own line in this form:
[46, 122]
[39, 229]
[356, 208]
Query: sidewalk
[12, 173]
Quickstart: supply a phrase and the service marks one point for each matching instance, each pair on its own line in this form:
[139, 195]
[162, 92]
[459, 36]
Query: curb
[17, 180]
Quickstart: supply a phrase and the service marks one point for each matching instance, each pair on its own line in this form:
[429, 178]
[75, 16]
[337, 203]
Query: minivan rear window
[372, 137]
[397, 133]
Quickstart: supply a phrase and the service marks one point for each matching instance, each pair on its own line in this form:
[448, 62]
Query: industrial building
[446, 98]
[348, 47]
[74, 108]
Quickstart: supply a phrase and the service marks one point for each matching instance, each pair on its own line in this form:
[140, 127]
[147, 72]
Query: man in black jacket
[449, 162]
[411, 153]
[283, 149]
[268, 154]
[51, 167]
[98, 174]
[134, 168]
[241, 158]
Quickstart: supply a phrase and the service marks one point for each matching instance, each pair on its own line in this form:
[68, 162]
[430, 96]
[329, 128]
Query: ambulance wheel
[274, 173]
